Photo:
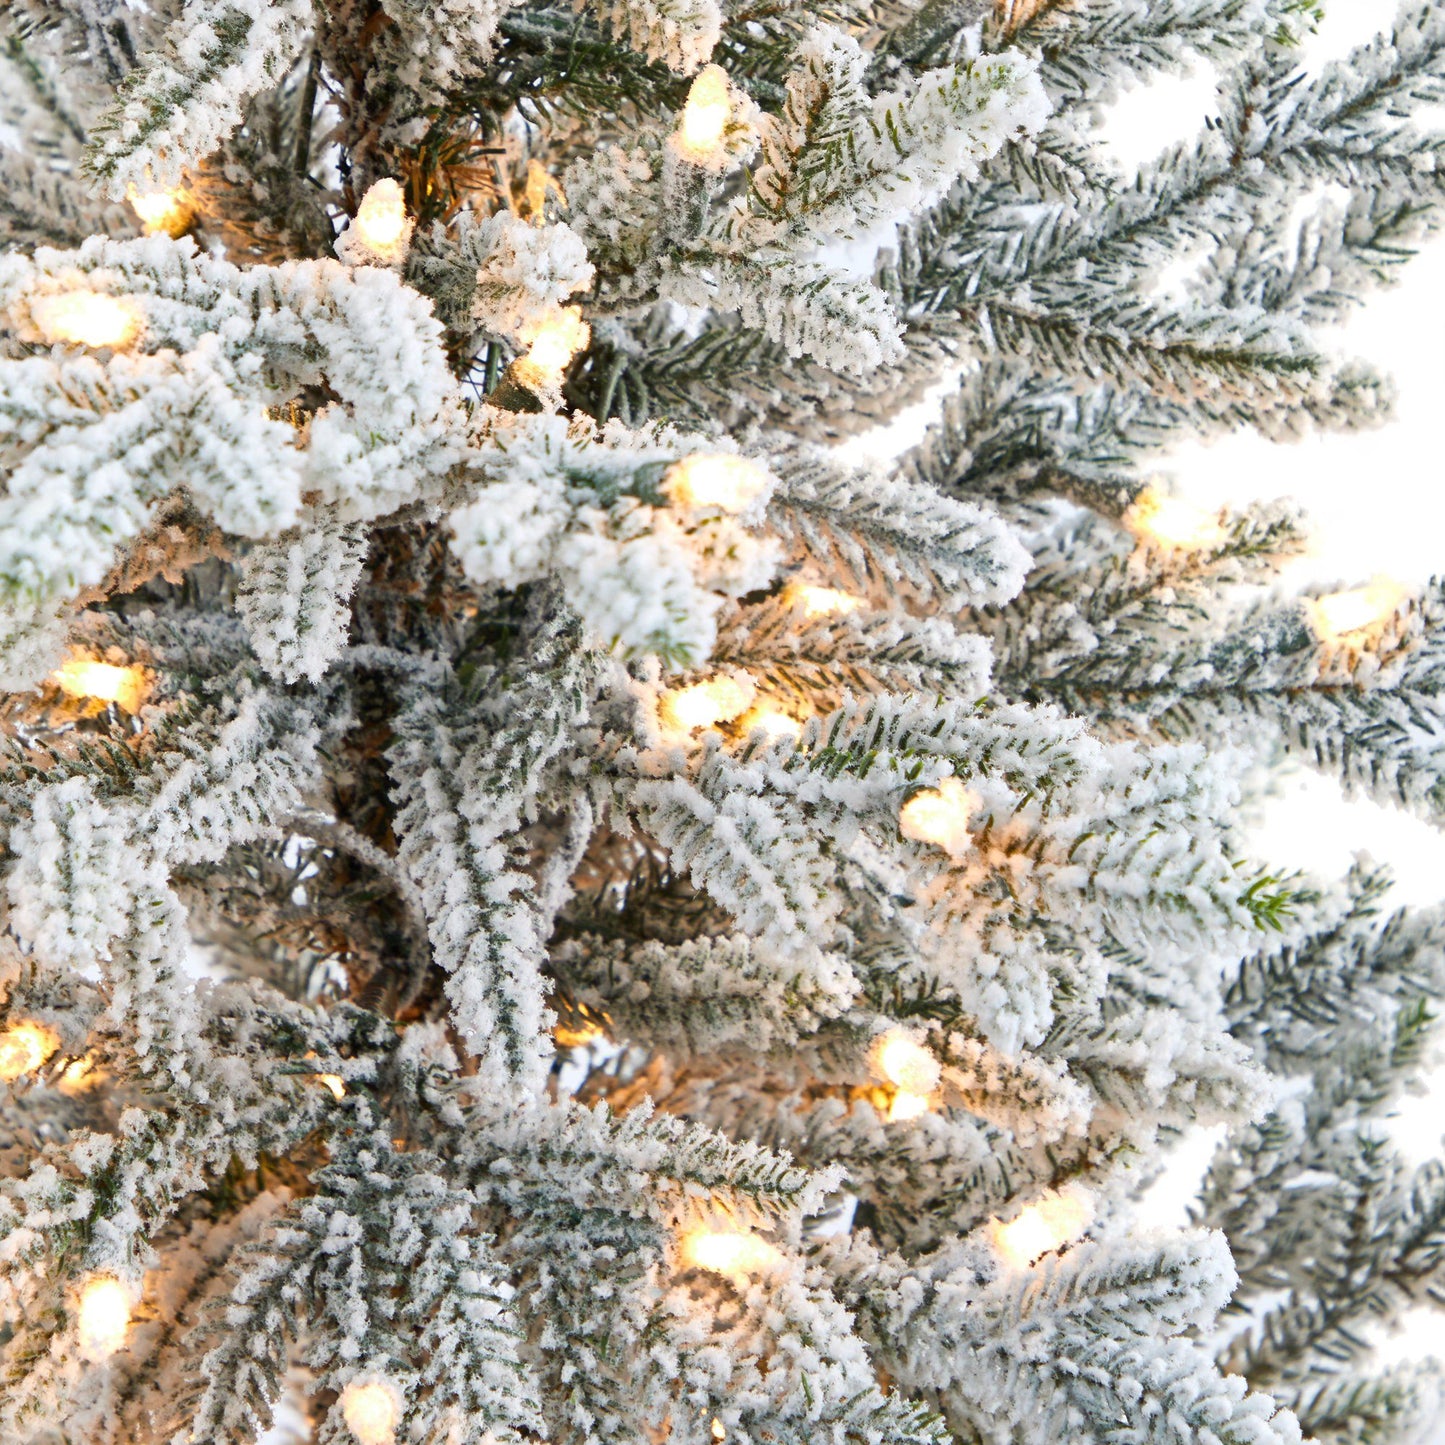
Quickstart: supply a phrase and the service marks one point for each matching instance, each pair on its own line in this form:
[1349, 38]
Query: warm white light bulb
[380, 232]
[87, 318]
[334, 1084]
[1338, 614]
[371, 1410]
[705, 116]
[1046, 1225]
[83, 677]
[772, 721]
[704, 704]
[907, 1106]
[1173, 522]
[552, 340]
[24, 1046]
[729, 1252]
[160, 212]
[824, 601]
[719, 1430]
[565, 1036]
[104, 1316]
[381, 217]
[905, 1063]
[730, 483]
[940, 816]
[78, 1076]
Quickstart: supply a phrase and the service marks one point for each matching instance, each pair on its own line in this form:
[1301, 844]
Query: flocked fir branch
[544, 900]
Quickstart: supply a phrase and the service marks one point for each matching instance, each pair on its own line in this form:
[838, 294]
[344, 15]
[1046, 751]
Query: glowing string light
[773, 722]
[823, 601]
[905, 1106]
[24, 1046]
[1044, 1226]
[381, 230]
[160, 212]
[371, 1410]
[84, 677]
[1173, 522]
[1338, 614]
[736, 1253]
[729, 483]
[910, 1069]
[705, 116]
[940, 816]
[552, 340]
[534, 196]
[905, 1063]
[719, 1430]
[104, 1317]
[705, 704]
[567, 1037]
[87, 318]
[78, 1075]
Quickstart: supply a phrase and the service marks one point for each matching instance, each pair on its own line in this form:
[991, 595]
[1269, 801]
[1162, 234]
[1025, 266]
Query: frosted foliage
[583, 503]
[189, 98]
[545, 897]
[835, 165]
[82, 865]
[463, 792]
[525, 270]
[885, 533]
[1071, 851]
[72, 887]
[679, 33]
[102, 441]
[836, 160]
[437, 45]
[1013, 1351]
[803, 306]
[702, 996]
[294, 594]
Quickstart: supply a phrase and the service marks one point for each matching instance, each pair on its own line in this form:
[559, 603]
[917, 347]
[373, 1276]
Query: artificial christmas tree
[543, 901]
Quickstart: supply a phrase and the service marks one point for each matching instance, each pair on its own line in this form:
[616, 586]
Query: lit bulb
[534, 197]
[907, 1106]
[705, 704]
[728, 482]
[1341, 613]
[381, 225]
[824, 601]
[901, 1061]
[719, 1430]
[77, 1076]
[371, 1410]
[940, 816]
[23, 1048]
[160, 212]
[552, 340]
[774, 723]
[566, 1037]
[1173, 522]
[730, 1252]
[705, 116]
[1052, 1222]
[104, 1315]
[83, 677]
[87, 318]
[334, 1083]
